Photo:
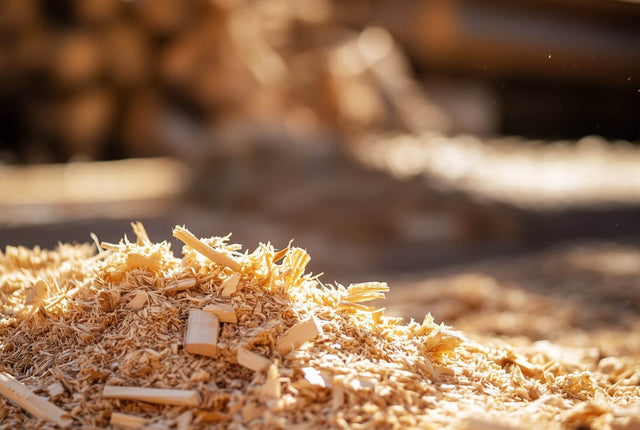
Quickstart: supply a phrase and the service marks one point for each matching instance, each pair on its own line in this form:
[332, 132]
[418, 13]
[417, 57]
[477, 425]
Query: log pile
[298, 354]
[107, 78]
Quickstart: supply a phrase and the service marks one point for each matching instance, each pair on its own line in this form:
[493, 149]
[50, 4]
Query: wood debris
[217, 257]
[18, 393]
[162, 396]
[138, 301]
[300, 333]
[202, 333]
[291, 352]
[252, 360]
[126, 421]
[230, 285]
[224, 312]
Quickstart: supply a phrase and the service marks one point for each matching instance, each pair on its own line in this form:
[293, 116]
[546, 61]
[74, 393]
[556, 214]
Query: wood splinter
[298, 334]
[225, 312]
[189, 239]
[126, 421]
[164, 396]
[252, 361]
[202, 333]
[39, 407]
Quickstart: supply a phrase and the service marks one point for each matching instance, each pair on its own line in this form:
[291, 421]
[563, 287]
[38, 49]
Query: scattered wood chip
[189, 239]
[127, 421]
[230, 285]
[18, 393]
[163, 396]
[300, 333]
[252, 361]
[55, 389]
[183, 422]
[225, 312]
[316, 377]
[179, 285]
[271, 388]
[138, 301]
[36, 294]
[251, 411]
[202, 333]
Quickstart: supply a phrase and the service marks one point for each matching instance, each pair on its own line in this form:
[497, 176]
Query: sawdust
[67, 321]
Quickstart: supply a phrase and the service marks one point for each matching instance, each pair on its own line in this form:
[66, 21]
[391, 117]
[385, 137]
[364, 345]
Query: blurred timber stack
[105, 79]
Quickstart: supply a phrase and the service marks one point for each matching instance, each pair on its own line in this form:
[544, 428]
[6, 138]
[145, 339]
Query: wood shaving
[359, 369]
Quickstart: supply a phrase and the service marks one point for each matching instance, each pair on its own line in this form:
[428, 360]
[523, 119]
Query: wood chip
[183, 422]
[55, 389]
[189, 239]
[230, 285]
[126, 421]
[179, 285]
[299, 334]
[224, 312]
[271, 388]
[202, 333]
[138, 301]
[163, 396]
[252, 360]
[18, 393]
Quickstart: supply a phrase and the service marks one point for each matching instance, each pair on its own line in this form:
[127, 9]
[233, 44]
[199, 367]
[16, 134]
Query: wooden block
[252, 361]
[162, 396]
[202, 333]
[189, 239]
[138, 301]
[299, 334]
[39, 407]
[224, 312]
[230, 285]
[127, 421]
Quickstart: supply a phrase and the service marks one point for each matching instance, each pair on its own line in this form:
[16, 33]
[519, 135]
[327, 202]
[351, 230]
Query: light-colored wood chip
[225, 312]
[183, 421]
[202, 333]
[251, 411]
[55, 389]
[189, 239]
[179, 285]
[316, 377]
[230, 285]
[300, 333]
[18, 393]
[127, 421]
[138, 301]
[163, 396]
[252, 361]
[271, 388]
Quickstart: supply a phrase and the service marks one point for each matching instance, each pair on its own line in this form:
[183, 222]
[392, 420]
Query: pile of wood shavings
[70, 326]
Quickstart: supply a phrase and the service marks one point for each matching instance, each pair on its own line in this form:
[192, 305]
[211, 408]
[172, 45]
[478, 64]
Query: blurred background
[384, 137]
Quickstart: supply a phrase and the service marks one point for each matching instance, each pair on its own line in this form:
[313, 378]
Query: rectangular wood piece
[164, 396]
[306, 330]
[252, 361]
[202, 333]
[39, 407]
[224, 312]
[126, 421]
